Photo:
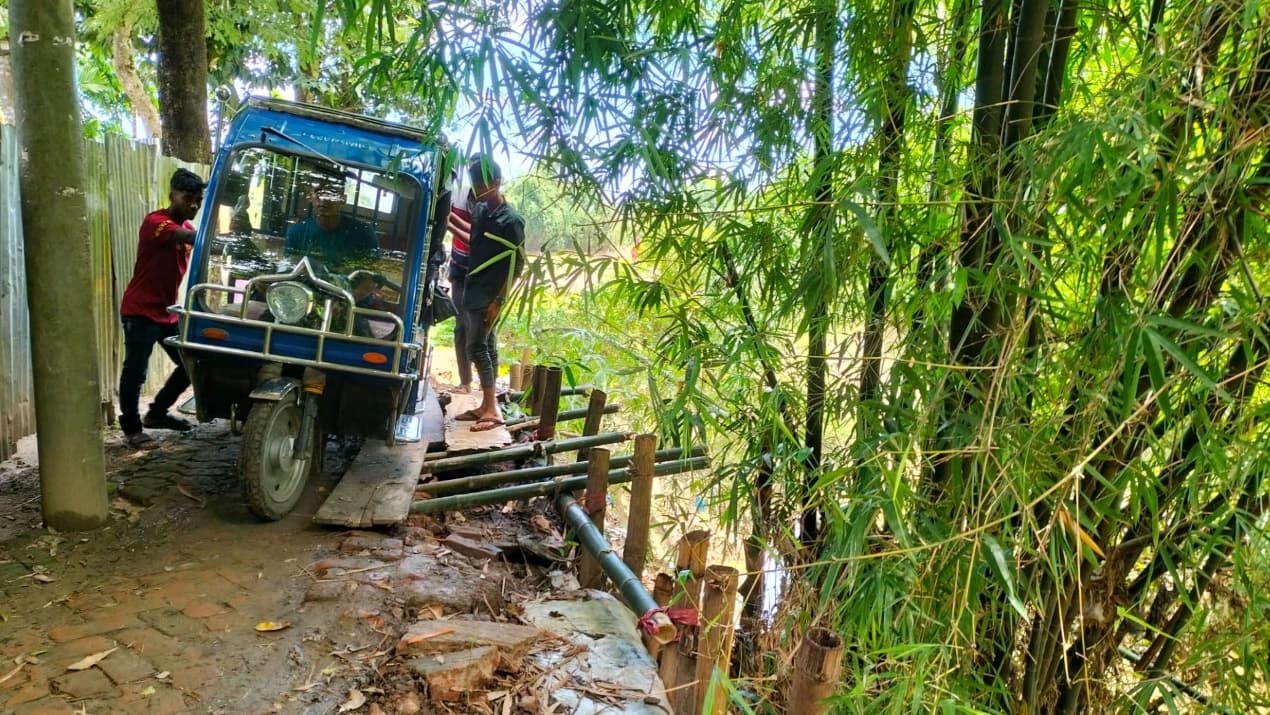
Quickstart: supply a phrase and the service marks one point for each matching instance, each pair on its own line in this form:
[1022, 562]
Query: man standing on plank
[163, 253]
[496, 258]
[459, 224]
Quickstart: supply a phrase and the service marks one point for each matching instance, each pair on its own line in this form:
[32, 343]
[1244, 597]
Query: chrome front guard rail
[399, 348]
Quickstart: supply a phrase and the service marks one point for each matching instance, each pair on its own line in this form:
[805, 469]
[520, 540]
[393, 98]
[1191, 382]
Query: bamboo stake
[635, 552]
[663, 591]
[516, 476]
[539, 374]
[594, 416]
[515, 376]
[549, 404]
[546, 488]
[526, 374]
[677, 667]
[714, 645]
[816, 668]
[596, 501]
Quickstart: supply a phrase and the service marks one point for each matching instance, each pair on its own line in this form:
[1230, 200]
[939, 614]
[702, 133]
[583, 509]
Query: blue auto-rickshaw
[309, 293]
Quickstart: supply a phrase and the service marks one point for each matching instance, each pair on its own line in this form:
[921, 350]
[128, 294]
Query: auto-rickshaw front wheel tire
[273, 481]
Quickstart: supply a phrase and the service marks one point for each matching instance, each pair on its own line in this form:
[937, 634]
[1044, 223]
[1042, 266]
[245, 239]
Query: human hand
[458, 226]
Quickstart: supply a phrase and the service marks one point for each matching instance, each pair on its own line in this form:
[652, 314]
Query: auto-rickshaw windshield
[272, 208]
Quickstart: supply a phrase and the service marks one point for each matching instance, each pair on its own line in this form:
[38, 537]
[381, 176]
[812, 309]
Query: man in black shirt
[496, 259]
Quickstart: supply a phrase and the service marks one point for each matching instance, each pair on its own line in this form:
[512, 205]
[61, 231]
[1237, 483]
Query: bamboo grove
[969, 293]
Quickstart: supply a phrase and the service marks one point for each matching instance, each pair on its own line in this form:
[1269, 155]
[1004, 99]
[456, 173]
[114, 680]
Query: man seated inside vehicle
[327, 236]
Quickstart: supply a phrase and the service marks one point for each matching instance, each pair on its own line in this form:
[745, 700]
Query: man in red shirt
[163, 253]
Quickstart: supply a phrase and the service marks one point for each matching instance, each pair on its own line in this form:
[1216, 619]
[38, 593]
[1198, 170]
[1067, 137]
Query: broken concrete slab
[609, 652]
[370, 544]
[455, 584]
[472, 548]
[453, 675]
[437, 636]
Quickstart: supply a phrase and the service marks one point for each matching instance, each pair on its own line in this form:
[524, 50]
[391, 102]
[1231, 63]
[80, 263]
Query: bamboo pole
[549, 405]
[816, 668]
[515, 376]
[515, 476]
[628, 584]
[584, 389]
[677, 667]
[635, 552]
[594, 416]
[663, 591]
[523, 450]
[565, 415]
[545, 488]
[539, 374]
[714, 644]
[590, 575]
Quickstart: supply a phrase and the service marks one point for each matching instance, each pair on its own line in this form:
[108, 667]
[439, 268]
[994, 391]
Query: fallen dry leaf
[162, 675]
[43, 578]
[13, 672]
[375, 709]
[90, 661]
[355, 700]
[201, 501]
[271, 626]
[541, 522]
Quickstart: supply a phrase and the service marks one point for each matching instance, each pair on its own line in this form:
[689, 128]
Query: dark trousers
[457, 279]
[139, 336]
[482, 349]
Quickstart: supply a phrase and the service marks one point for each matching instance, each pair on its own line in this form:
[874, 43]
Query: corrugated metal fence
[17, 405]
[125, 181]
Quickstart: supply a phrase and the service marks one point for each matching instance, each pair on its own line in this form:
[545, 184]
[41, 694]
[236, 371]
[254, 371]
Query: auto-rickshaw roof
[342, 136]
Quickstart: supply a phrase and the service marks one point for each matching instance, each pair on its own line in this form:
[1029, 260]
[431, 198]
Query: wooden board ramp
[377, 488]
[460, 438]
[433, 419]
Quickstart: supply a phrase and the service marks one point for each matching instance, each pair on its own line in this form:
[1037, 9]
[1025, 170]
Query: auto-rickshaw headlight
[289, 302]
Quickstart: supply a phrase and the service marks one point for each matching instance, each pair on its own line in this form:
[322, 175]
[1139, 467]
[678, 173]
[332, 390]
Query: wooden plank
[378, 487]
[433, 419]
[460, 438]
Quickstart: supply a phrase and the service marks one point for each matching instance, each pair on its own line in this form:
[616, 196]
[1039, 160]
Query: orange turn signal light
[375, 358]
[215, 333]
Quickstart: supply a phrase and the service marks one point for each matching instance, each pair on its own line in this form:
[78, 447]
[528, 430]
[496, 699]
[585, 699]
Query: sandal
[140, 440]
[470, 416]
[493, 422]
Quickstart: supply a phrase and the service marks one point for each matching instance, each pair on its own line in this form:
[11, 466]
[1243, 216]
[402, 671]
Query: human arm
[160, 228]
[511, 238]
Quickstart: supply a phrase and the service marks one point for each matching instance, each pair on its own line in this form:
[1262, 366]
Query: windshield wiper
[282, 135]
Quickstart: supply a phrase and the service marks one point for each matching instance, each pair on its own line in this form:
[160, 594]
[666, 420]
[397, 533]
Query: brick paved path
[176, 589]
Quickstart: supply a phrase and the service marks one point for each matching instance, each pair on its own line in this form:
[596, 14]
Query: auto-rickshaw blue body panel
[348, 139]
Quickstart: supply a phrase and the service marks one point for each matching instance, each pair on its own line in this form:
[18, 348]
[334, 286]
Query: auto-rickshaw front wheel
[273, 480]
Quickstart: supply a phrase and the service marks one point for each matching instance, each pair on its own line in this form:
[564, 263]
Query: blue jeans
[139, 336]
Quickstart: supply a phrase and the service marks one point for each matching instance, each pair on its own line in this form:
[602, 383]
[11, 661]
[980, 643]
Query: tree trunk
[59, 265]
[133, 87]
[183, 80]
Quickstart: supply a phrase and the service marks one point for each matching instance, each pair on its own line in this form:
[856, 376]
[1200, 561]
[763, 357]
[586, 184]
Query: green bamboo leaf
[1186, 362]
[871, 231]
[1000, 564]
